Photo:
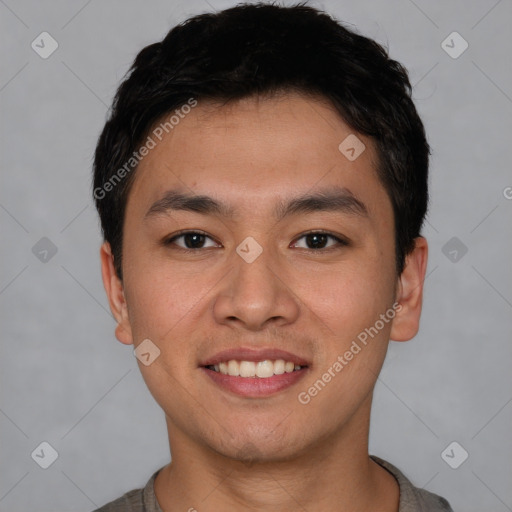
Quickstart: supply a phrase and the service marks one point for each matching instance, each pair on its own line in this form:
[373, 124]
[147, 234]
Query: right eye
[192, 240]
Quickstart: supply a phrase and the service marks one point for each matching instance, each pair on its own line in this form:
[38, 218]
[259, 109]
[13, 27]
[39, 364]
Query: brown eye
[190, 240]
[319, 240]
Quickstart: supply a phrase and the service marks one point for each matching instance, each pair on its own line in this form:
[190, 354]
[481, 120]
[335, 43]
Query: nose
[257, 293]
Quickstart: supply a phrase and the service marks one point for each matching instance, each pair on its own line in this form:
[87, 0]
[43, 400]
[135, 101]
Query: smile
[255, 369]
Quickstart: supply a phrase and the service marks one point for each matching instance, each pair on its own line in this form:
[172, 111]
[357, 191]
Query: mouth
[254, 373]
[255, 369]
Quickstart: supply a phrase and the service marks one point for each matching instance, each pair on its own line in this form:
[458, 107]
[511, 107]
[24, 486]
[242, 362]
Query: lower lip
[255, 387]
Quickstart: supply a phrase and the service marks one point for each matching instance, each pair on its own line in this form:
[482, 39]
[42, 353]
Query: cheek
[150, 305]
[160, 310]
[157, 304]
[169, 308]
[351, 298]
[350, 303]
[158, 296]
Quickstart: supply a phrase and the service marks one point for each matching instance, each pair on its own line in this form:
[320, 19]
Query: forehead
[249, 152]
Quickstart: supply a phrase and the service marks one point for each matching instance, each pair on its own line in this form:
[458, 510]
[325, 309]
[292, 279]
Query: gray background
[66, 380]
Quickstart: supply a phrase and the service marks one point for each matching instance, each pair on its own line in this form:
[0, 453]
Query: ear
[410, 293]
[115, 293]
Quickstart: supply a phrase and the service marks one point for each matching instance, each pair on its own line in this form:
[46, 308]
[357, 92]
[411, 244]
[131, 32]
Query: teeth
[279, 367]
[233, 368]
[264, 369]
[247, 369]
[261, 369]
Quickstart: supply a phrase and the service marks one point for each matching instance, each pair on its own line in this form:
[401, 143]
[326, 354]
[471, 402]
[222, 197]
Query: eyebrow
[334, 199]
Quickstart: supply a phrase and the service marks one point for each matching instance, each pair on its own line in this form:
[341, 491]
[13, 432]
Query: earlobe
[115, 293]
[410, 293]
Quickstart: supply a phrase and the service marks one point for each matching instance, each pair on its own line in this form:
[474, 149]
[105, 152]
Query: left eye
[319, 239]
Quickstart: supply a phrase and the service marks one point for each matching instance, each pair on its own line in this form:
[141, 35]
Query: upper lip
[250, 354]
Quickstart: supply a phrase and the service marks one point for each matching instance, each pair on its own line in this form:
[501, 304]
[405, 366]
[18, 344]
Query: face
[292, 250]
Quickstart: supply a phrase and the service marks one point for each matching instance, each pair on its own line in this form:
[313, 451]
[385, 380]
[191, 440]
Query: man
[261, 184]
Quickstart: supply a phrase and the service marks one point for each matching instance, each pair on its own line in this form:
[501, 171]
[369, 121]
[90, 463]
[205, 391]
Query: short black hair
[262, 49]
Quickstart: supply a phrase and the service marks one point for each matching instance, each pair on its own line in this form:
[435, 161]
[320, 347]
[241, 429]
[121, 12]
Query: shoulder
[414, 499]
[131, 501]
[136, 500]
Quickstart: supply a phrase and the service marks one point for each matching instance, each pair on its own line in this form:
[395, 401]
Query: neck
[334, 474]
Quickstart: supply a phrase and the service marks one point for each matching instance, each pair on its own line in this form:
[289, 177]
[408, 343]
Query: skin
[273, 453]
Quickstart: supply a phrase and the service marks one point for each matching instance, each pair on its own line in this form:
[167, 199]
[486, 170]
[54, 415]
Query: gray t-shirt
[412, 499]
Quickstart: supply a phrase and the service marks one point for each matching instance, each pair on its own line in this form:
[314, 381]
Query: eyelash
[340, 241]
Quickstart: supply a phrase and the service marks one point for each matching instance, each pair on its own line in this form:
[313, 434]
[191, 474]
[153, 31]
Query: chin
[261, 446]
